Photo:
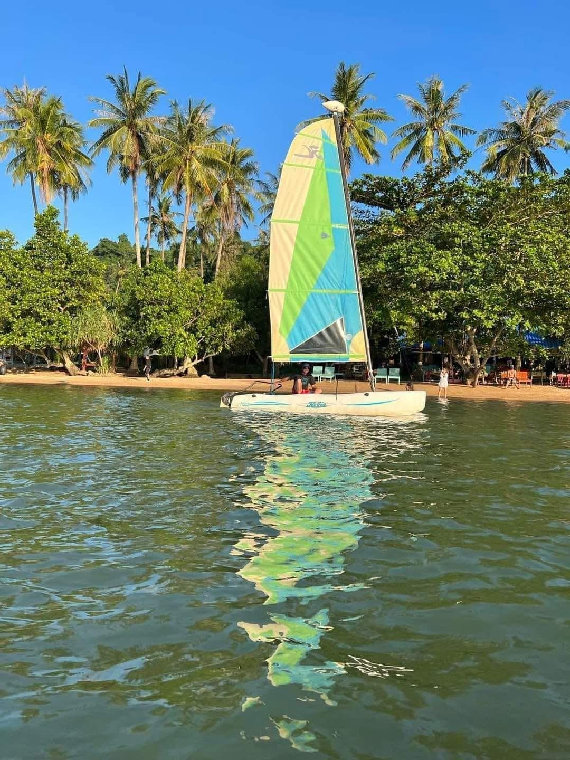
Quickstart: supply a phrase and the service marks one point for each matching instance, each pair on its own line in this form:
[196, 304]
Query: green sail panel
[313, 289]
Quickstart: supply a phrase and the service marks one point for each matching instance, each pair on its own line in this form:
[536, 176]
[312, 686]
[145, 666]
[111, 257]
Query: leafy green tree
[95, 329]
[516, 148]
[48, 283]
[478, 263]
[358, 125]
[128, 129]
[245, 282]
[193, 154]
[435, 133]
[179, 315]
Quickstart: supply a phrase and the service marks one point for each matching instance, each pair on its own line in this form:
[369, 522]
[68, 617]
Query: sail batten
[313, 288]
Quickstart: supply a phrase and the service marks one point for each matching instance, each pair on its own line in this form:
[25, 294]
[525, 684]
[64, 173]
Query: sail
[313, 288]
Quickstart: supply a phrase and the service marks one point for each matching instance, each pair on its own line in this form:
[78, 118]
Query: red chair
[562, 380]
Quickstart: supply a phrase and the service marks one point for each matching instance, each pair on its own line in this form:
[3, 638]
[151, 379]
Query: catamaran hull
[380, 404]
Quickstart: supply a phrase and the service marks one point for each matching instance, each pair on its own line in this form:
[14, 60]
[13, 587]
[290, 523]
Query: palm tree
[232, 198]
[193, 153]
[19, 109]
[267, 189]
[127, 129]
[70, 177]
[435, 133]
[161, 222]
[358, 124]
[516, 148]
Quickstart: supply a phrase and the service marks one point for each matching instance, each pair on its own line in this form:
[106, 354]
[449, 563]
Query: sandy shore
[481, 393]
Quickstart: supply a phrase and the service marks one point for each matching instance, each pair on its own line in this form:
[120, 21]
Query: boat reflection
[308, 498]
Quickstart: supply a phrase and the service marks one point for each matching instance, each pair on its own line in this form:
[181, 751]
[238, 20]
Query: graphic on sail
[313, 290]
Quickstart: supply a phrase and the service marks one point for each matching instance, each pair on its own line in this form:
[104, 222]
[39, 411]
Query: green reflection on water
[308, 495]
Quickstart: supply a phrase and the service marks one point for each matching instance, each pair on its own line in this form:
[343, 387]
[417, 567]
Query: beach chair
[329, 374]
[317, 372]
[381, 374]
[393, 374]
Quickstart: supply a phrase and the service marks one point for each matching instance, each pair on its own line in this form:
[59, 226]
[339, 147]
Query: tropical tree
[128, 128]
[17, 115]
[46, 142]
[180, 315]
[358, 125]
[193, 154]
[70, 178]
[474, 261]
[48, 283]
[232, 199]
[435, 133]
[517, 146]
[267, 189]
[161, 222]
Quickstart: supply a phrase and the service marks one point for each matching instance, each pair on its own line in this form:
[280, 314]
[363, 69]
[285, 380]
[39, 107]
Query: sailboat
[315, 296]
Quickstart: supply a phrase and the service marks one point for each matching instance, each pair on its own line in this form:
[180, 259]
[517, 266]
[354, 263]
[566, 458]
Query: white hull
[379, 404]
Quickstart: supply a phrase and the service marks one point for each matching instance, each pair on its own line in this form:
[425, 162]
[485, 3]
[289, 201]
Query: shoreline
[535, 393]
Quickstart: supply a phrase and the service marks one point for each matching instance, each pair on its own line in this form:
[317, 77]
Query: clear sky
[255, 61]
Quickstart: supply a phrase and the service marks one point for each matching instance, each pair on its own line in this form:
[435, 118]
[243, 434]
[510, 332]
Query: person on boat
[305, 382]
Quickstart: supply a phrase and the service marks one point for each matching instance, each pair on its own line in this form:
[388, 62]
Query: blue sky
[255, 62]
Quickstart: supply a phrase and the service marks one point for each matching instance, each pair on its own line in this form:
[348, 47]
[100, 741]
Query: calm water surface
[181, 582]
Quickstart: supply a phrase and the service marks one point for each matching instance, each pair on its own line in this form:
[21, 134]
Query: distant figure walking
[147, 367]
[443, 383]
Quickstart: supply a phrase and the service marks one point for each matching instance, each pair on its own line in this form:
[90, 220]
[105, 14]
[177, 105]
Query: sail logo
[313, 151]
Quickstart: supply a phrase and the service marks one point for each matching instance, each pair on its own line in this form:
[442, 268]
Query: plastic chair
[317, 372]
[329, 374]
[381, 374]
[393, 374]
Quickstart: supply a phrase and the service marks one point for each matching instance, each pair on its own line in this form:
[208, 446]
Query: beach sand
[205, 383]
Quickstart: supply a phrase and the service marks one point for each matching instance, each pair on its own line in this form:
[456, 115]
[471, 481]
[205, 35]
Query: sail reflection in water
[308, 495]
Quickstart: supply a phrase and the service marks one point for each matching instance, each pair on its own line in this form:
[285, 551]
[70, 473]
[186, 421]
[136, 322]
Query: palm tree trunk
[148, 225]
[219, 255]
[182, 252]
[136, 219]
[65, 209]
[34, 199]
[162, 244]
[202, 260]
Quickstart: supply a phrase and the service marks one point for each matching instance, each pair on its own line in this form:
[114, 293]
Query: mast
[336, 108]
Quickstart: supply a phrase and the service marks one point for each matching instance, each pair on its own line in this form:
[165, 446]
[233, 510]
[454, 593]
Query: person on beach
[147, 365]
[511, 377]
[443, 382]
[305, 382]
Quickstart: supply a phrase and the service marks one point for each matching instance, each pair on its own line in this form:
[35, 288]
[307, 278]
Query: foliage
[358, 127]
[128, 129]
[477, 262]
[47, 284]
[179, 315]
[161, 221]
[192, 154]
[94, 328]
[516, 148]
[47, 144]
[435, 133]
[245, 282]
[232, 199]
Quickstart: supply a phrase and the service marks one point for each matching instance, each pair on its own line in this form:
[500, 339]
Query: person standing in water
[443, 382]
